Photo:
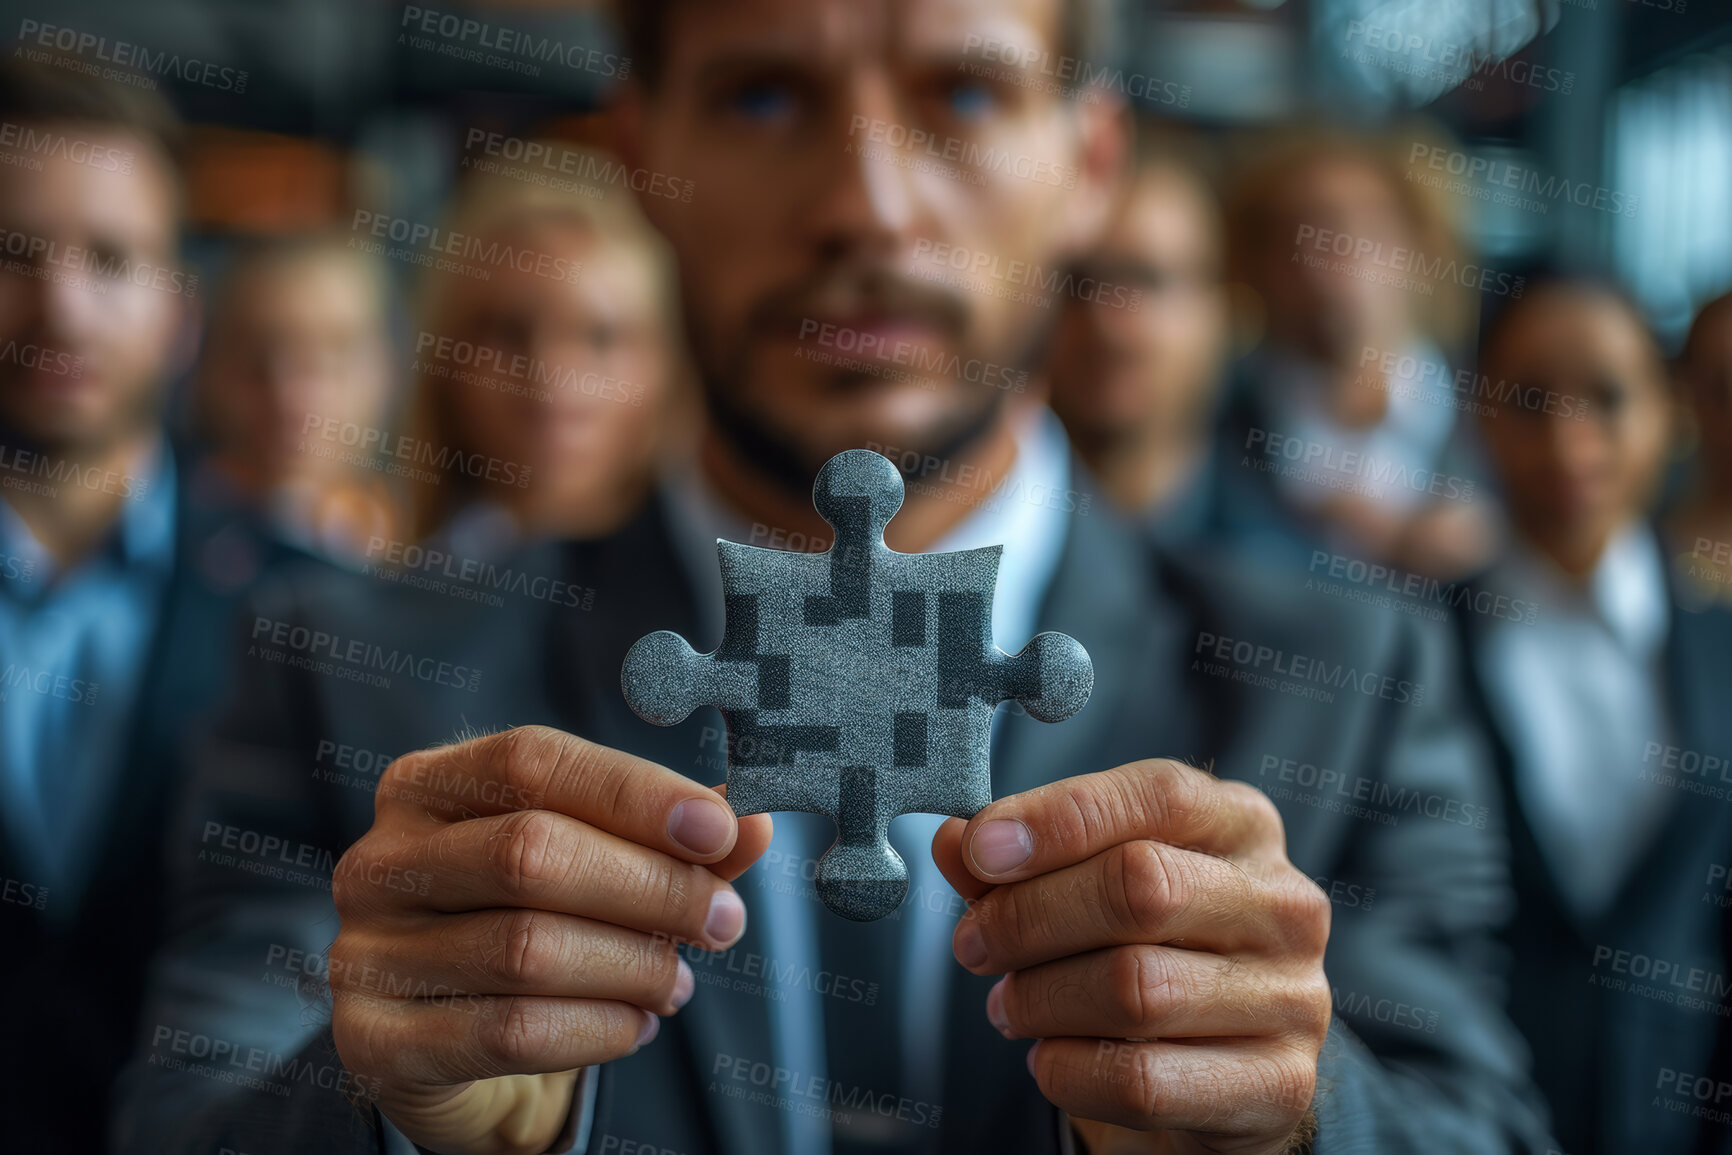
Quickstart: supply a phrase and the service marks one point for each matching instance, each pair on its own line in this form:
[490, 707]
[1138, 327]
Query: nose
[866, 206]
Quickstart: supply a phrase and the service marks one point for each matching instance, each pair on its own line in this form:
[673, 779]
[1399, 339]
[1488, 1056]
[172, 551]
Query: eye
[968, 99]
[765, 102]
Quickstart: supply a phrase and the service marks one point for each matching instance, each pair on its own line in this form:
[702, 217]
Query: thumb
[753, 840]
[947, 853]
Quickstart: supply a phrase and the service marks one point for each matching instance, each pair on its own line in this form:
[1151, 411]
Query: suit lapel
[641, 586]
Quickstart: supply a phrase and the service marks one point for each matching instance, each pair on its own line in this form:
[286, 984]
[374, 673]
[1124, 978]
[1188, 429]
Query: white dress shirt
[1580, 694]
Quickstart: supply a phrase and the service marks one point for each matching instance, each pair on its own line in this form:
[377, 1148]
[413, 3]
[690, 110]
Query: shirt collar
[1026, 513]
[142, 539]
[1626, 591]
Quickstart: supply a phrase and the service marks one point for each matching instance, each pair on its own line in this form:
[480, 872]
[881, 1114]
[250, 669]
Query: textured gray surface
[858, 683]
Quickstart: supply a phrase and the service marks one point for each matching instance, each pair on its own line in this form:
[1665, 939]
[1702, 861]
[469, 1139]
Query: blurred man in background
[520, 914]
[1342, 429]
[1604, 703]
[1136, 386]
[1701, 525]
[117, 586]
[299, 341]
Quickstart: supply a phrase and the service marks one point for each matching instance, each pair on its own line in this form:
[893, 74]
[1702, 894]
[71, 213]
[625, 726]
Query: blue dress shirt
[74, 645]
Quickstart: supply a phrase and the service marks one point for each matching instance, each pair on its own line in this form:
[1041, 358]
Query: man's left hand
[1157, 942]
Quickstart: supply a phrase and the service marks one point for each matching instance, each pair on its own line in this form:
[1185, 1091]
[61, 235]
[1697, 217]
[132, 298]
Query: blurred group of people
[1513, 493]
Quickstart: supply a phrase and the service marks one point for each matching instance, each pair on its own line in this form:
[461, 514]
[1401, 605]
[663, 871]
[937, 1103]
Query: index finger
[540, 768]
[1069, 821]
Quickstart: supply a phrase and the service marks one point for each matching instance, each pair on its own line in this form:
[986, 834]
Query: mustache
[865, 293]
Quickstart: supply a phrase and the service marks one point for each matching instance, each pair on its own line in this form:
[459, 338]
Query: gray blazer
[1347, 716]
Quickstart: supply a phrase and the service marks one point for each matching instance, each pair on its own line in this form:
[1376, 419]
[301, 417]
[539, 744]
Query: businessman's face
[89, 310]
[854, 162]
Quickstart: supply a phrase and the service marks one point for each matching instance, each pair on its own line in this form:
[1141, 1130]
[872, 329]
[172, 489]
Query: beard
[788, 454]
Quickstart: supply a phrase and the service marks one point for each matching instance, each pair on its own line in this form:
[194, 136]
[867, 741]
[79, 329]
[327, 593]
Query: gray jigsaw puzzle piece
[859, 683]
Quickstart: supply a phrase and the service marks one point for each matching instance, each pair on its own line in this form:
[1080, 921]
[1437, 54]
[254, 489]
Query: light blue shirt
[73, 650]
[1579, 693]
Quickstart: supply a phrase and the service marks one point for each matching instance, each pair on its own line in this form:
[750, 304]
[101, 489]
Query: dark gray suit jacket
[1603, 1026]
[1404, 830]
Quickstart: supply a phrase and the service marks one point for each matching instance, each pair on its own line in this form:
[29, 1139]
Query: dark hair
[1088, 31]
[1539, 278]
[42, 92]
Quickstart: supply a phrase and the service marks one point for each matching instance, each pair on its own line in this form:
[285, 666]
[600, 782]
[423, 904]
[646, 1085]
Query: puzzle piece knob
[663, 678]
[1062, 669]
[862, 880]
[858, 473]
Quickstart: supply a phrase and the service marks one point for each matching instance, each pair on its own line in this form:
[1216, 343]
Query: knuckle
[1290, 1081]
[1303, 913]
[530, 949]
[655, 964]
[1173, 793]
[665, 887]
[1142, 887]
[1266, 823]
[525, 853]
[515, 1036]
[1143, 984]
[1144, 1092]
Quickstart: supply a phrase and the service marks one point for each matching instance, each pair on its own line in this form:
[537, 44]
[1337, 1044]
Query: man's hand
[511, 917]
[1157, 941]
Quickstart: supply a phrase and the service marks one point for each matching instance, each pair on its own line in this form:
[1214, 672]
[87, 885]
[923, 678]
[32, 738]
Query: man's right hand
[511, 917]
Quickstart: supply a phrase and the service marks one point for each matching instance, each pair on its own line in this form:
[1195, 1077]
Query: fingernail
[995, 1008]
[699, 825]
[651, 1026]
[1002, 845]
[684, 984]
[1031, 1058]
[970, 944]
[727, 918]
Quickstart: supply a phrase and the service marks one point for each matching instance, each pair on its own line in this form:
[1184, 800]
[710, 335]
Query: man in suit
[1605, 696]
[541, 943]
[118, 572]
